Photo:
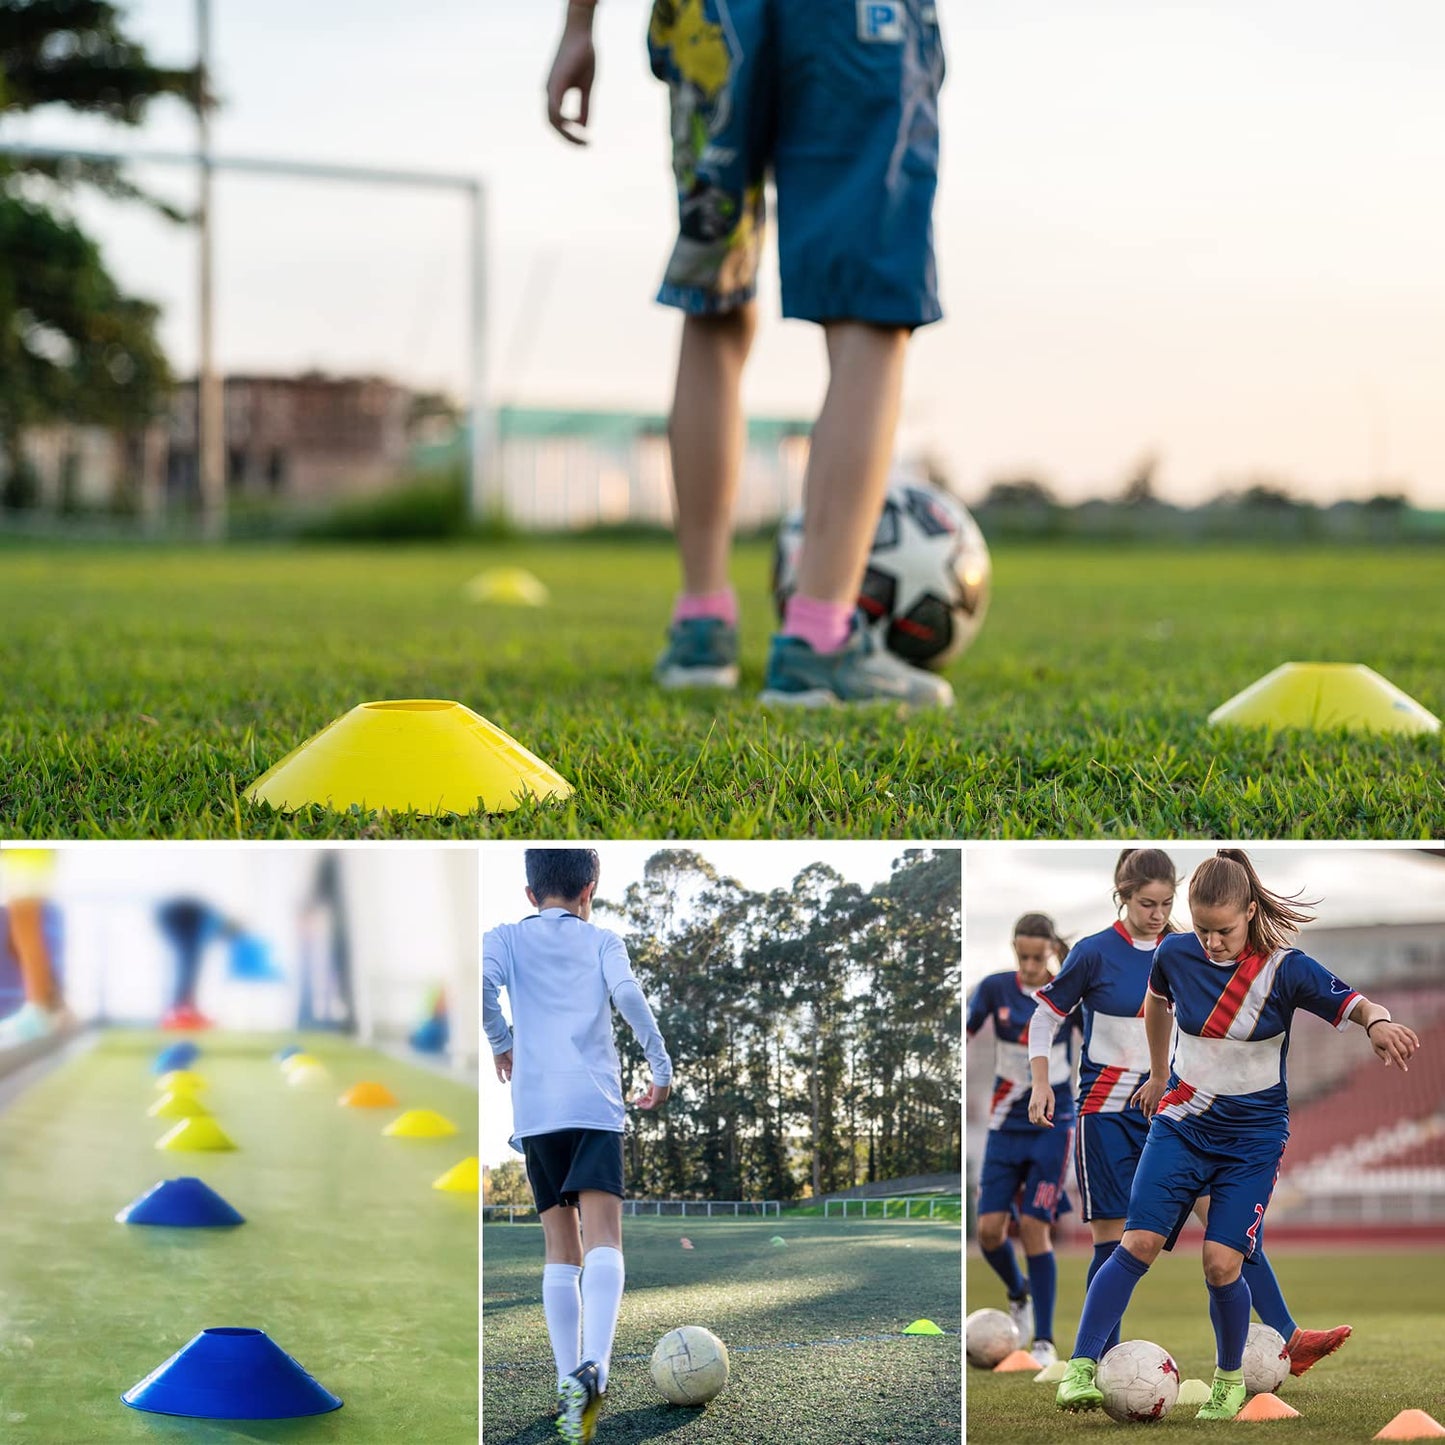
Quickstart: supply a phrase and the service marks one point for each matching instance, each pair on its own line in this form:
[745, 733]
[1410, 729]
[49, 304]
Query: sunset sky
[1207, 231]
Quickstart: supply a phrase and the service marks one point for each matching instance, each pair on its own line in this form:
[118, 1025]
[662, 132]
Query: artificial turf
[813, 1329]
[348, 1259]
[1394, 1299]
[147, 687]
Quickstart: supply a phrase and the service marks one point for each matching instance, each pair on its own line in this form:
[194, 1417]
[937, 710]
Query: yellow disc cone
[510, 586]
[1324, 697]
[196, 1134]
[178, 1105]
[367, 1095]
[922, 1327]
[300, 1061]
[181, 1081]
[428, 755]
[463, 1178]
[420, 1124]
[309, 1076]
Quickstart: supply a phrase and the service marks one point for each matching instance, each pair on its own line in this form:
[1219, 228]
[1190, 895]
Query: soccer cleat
[1021, 1312]
[1044, 1352]
[1226, 1399]
[700, 652]
[579, 1403]
[861, 671]
[1077, 1390]
[1309, 1347]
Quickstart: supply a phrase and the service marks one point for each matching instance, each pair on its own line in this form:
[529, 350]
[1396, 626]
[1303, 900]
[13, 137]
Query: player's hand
[573, 68]
[503, 1065]
[1394, 1043]
[654, 1098]
[1041, 1106]
[1148, 1095]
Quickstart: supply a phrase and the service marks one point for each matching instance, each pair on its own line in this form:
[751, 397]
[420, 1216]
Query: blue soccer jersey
[1106, 976]
[1010, 1005]
[1233, 1022]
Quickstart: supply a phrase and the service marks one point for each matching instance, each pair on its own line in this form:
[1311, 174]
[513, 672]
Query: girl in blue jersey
[1220, 1116]
[1108, 974]
[1023, 1172]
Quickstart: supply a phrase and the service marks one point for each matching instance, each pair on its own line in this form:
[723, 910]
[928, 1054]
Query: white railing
[884, 1211]
[701, 1208]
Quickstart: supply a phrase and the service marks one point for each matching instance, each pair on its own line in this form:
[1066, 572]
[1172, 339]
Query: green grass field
[1394, 1300]
[348, 1259]
[147, 687]
[812, 1330]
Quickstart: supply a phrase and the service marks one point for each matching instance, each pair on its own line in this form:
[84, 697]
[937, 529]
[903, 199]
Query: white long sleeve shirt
[563, 979]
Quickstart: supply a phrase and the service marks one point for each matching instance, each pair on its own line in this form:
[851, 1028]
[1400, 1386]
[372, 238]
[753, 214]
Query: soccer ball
[689, 1365]
[1266, 1360]
[926, 588]
[988, 1336]
[1139, 1381]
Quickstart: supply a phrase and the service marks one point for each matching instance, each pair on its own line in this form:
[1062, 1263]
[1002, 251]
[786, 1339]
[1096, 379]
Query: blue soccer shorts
[1106, 1153]
[1238, 1170]
[1024, 1173]
[838, 101]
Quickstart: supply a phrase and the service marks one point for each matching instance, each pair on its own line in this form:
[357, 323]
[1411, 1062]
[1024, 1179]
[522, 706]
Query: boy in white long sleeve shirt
[563, 978]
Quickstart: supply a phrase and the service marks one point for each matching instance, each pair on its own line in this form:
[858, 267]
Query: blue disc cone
[184, 1203]
[231, 1374]
[177, 1056]
[281, 1055]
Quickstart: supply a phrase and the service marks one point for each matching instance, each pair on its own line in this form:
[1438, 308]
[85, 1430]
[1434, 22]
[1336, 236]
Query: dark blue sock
[1102, 1253]
[1106, 1301]
[1229, 1313]
[1006, 1267]
[1043, 1282]
[1268, 1299]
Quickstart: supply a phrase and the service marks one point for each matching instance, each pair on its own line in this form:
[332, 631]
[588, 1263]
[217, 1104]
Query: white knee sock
[602, 1278]
[562, 1304]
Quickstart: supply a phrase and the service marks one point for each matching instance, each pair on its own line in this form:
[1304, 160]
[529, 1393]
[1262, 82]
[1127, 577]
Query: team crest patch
[881, 22]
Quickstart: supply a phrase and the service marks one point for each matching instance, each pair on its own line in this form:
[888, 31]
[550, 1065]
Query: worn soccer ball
[989, 1335]
[1139, 1381]
[1266, 1360]
[926, 588]
[689, 1365]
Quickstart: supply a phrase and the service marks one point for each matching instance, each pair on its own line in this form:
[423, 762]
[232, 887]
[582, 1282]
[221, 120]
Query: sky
[759, 866]
[1207, 232]
[1072, 884]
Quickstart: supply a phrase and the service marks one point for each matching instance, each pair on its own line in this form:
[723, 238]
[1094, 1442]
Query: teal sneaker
[861, 671]
[700, 652]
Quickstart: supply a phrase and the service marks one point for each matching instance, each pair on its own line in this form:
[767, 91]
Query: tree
[506, 1183]
[73, 345]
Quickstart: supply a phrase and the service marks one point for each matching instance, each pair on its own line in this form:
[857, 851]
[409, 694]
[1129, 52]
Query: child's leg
[1043, 1274]
[561, 1286]
[1107, 1234]
[994, 1245]
[1108, 1295]
[27, 936]
[706, 438]
[1228, 1302]
[602, 1276]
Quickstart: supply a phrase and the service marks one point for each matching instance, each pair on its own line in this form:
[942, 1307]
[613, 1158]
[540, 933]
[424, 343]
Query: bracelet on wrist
[1386, 1020]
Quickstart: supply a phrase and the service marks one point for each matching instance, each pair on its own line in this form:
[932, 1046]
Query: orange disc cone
[420, 1124]
[181, 1081]
[1411, 1425]
[196, 1134]
[1324, 697]
[1267, 1407]
[367, 1095]
[461, 1178]
[178, 1106]
[1018, 1360]
[426, 755]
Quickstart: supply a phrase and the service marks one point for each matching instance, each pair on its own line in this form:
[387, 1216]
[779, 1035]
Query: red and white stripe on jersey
[1042, 997]
[1244, 997]
[1184, 1101]
[1111, 1091]
[1005, 1096]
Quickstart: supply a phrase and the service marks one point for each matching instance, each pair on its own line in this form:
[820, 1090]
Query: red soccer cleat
[1308, 1347]
[185, 1017]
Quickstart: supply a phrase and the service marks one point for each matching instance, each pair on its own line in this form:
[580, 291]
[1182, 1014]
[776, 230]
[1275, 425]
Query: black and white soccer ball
[926, 589]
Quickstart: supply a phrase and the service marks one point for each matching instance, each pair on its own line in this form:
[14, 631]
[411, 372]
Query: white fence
[889, 1208]
[658, 1209]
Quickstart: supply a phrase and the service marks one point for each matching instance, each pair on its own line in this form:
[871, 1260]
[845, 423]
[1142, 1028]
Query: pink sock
[723, 605]
[824, 626]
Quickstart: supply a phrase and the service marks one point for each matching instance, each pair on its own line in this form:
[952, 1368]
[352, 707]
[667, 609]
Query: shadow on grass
[647, 1422]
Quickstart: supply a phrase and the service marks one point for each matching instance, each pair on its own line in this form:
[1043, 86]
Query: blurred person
[1219, 1109]
[1022, 1177]
[838, 103]
[328, 999]
[1107, 976]
[189, 925]
[564, 978]
[26, 876]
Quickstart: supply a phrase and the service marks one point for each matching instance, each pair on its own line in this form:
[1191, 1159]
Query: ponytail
[1228, 880]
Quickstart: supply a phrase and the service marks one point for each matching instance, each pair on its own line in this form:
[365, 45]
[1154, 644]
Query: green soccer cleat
[1226, 1399]
[701, 652]
[861, 671]
[1077, 1390]
[579, 1403]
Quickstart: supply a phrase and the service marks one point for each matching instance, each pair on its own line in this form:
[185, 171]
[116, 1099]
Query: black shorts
[562, 1164]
